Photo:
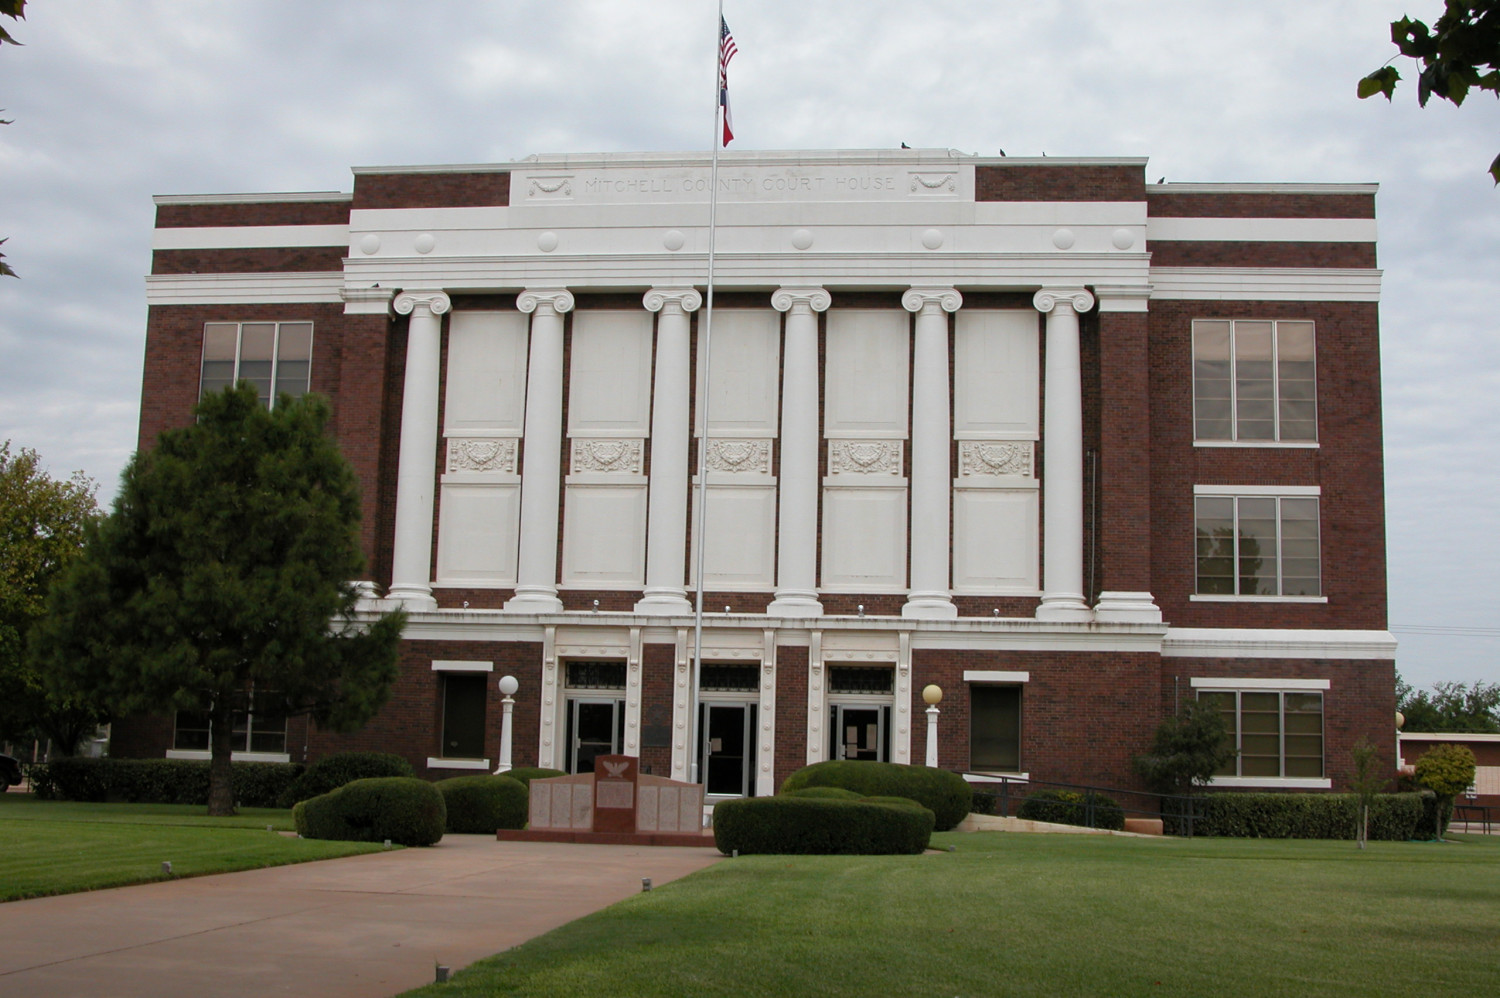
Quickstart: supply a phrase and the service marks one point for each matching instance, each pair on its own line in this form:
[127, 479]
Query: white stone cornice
[1047, 299]
[687, 299]
[367, 301]
[813, 299]
[1122, 297]
[948, 299]
[437, 302]
[560, 300]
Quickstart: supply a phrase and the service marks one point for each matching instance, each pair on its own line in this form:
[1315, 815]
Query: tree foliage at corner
[1366, 782]
[223, 571]
[1457, 54]
[16, 10]
[42, 523]
[1187, 749]
[1450, 707]
[1446, 770]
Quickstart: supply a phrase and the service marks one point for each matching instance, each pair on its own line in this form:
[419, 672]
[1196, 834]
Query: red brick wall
[791, 711]
[1348, 465]
[1163, 202]
[1124, 487]
[1360, 702]
[1033, 182]
[431, 190]
[298, 259]
[1195, 253]
[183, 216]
[658, 677]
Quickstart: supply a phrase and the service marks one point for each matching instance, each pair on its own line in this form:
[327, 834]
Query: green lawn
[57, 847]
[1012, 914]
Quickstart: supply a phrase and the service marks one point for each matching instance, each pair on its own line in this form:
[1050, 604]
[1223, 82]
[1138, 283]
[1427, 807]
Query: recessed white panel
[746, 362]
[609, 391]
[995, 541]
[864, 540]
[866, 373]
[486, 385]
[604, 535]
[477, 530]
[741, 531]
[995, 373]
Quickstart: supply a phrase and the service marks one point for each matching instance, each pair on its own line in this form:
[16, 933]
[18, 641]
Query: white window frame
[1202, 684]
[1234, 422]
[1277, 492]
[462, 667]
[244, 756]
[239, 339]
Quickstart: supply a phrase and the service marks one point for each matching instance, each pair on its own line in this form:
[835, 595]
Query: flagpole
[701, 517]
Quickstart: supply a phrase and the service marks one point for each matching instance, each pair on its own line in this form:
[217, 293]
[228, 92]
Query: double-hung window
[1254, 381]
[258, 728]
[1257, 542]
[276, 357]
[1275, 727]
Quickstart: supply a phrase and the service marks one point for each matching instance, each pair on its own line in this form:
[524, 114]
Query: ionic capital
[435, 302]
[1047, 299]
[686, 299]
[559, 300]
[916, 299]
[796, 299]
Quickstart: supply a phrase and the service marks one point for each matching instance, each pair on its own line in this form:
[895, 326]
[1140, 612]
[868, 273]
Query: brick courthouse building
[1073, 447]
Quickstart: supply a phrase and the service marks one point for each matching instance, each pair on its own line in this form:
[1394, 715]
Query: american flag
[727, 49]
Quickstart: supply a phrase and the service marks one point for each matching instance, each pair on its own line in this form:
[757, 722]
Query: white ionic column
[1062, 458]
[797, 521]
[931, 441]
[541, 470]
[416, 470]
[667, 499]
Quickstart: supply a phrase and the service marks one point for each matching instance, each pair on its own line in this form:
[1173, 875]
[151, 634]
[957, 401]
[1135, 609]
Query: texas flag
[727, 50]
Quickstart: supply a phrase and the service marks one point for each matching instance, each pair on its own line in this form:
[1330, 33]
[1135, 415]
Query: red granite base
[606, 838]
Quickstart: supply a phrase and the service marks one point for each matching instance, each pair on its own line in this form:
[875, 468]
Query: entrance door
[595, 727]
[727, 748]
[859, 732]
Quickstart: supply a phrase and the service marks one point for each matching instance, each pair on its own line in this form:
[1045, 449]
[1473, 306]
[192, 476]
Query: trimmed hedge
[826, 793]
[1394, 817]
[812, 826]
[525, 774]
[945, 794]
[404, 809]
[333, 771]
[482, 804]
[1069, 807]
[158, 781]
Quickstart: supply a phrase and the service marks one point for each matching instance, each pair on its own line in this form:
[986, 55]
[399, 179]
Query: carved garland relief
[482, 454]
[746, 457]
[995, 457]
[607, 455]
[864, 457]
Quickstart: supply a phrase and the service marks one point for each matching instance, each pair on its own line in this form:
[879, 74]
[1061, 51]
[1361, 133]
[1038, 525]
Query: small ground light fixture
[387, 843]
[166, 866]
[441, 974]
[645, 884]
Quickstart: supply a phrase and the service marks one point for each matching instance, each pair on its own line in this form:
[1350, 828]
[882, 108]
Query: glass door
[595, 728]
[859, 732]
[728, 748]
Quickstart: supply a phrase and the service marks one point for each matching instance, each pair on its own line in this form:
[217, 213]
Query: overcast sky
[117, 100]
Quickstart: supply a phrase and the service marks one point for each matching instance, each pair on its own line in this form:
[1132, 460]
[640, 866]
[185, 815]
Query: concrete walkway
[360, 927]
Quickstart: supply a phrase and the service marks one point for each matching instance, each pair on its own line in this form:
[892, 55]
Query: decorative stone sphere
[1122, 239]
[932, 238]
[932, 694]
[424, 243]
[370, 244]
[547, 242]
[1063, 239]
[673, 240]
[802, 239]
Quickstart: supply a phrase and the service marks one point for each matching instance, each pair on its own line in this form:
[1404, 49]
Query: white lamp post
[508, 686]
[933, 694]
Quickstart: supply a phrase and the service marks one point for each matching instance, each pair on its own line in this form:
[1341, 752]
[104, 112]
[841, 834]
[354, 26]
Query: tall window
[276, 357]
[1258, 546]
[1276, 733]
[995, 728]
[463, 714]
[1254, 381]
[259, 725]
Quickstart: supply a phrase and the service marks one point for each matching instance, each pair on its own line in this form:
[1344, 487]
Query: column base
[411, 596]
[665, 602]
[1064, 606]
[367, 595]
[929, 606]
[534, 599]
[795, 603]
[1127, 608]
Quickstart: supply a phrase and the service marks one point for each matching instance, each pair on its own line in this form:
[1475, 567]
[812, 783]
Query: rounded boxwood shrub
[1069, 807]
[825, 793]
[333, 771]
[945, 794]
[808, 825]
[482, 804]
[404, 809]
[525, 774]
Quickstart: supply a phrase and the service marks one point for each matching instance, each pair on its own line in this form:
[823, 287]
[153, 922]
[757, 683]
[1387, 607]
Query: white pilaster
[931, 442]
[411, 563]
[541, 471]
[1062, 457]
[797, 527]
[667, 499]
